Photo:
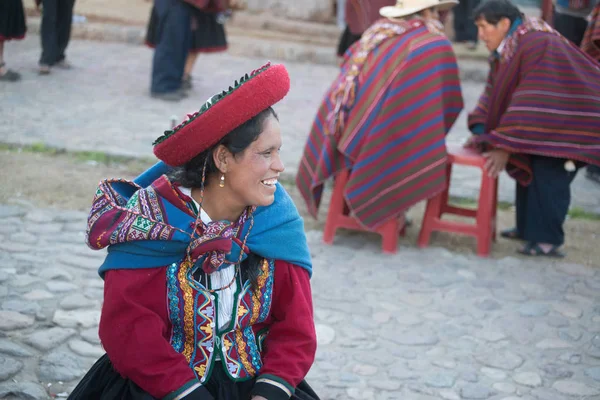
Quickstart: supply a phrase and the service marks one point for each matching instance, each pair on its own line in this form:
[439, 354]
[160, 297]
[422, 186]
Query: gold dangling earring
[222, 182]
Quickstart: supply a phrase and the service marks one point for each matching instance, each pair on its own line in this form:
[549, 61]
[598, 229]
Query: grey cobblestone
[63, 118]
[412, 339]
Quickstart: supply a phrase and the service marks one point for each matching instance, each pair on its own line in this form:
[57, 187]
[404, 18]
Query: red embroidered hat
[223, 113]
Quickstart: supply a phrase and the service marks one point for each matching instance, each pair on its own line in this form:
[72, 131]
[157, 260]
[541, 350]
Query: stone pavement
[419, 325]
[103, 105]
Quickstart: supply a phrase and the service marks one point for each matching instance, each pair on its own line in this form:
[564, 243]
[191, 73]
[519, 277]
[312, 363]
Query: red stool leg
[336, 207]
[432, 212]
[446, 193]
[389, 236]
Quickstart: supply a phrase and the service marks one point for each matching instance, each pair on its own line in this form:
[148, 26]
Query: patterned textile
[541, 98]
[343, 95]
[152, 227]
[213, 232]
[398, 94]
[193, 311]
[524, 26]
[143, 219]
[591, 39]
[120, 220]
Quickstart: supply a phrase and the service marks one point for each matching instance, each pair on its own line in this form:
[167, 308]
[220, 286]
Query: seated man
[386, 116]
[538, 118]
[591, 45]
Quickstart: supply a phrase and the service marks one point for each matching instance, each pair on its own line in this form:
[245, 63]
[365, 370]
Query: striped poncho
[385, 118]
[591, 39]
[542, 98]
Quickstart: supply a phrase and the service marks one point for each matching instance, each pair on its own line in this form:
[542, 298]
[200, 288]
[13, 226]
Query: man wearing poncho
[591, 45]
[386, 116]
[538, 117]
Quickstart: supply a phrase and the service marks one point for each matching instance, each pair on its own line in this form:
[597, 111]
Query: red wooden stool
[484, 229]
[339, 216]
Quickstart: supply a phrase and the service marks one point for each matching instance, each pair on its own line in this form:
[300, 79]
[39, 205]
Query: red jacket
[135, 329]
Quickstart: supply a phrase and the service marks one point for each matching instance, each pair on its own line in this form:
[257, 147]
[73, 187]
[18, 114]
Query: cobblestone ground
[423, 324]
[103, 105]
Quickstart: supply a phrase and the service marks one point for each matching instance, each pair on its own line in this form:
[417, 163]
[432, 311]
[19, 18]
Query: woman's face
[252, 174]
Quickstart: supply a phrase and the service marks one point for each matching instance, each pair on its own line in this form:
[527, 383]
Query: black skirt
[208, 36]
[12, 20]
[102, 382]
[346, 40]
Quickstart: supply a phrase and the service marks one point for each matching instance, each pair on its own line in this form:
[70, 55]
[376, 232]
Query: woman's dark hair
[190, 175]
[494, 10]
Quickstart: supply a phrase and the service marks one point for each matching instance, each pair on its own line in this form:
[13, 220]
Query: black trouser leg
[464, 25]
[548, 200]
[573, 28]
[521, 208]
[48, 32]
[172, 45]
[64, 22]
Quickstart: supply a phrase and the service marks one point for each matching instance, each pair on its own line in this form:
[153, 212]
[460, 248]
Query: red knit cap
[223, 113]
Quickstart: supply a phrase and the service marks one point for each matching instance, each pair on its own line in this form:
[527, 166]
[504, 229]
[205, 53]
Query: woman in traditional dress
[208, 34]
[207, 292]
[12, 27]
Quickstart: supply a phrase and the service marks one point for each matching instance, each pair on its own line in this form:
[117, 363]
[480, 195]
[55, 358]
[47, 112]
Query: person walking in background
[570, 18]
[464, 27]
[12, 27]
[172, 43]
[359, 15]
[57, 18]
[591, 45]
[207, 33]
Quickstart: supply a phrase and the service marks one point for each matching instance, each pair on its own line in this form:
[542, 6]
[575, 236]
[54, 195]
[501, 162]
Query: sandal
[511, 234]
[44, 69]
[534, 250]
[9, 75]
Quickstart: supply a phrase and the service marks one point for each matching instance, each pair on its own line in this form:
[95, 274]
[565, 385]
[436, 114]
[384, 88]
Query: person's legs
[593, 173]
[572, 28]
[49, 35]
[172, 46]
[64, 21]
[548, 200]
[460, 14]
[187, 70]
[521, 209]
[470, 29]
[6, 74]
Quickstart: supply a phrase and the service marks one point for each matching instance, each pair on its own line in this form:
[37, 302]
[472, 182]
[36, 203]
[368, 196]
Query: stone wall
[307, 10]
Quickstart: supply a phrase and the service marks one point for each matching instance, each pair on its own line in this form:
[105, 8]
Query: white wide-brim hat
[408, 7]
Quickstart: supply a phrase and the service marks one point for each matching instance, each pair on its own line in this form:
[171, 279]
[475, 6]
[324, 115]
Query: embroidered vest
[193, 311]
